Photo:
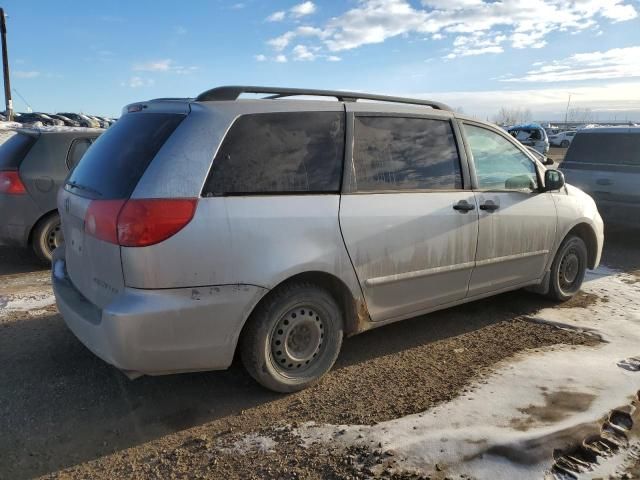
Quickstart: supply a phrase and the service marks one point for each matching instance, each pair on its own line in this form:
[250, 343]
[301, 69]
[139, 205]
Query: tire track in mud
[619, 433]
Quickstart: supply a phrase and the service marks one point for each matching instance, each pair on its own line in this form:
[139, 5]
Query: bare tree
[580, 115]
[512, 116]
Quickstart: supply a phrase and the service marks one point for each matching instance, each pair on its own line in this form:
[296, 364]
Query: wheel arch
[354, 309]
[588, 236]
[44, 217]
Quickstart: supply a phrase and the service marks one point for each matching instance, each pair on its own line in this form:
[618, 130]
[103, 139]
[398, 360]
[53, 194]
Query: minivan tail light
[138, 222]
[101, 219]
[144, 222]
[11, 183]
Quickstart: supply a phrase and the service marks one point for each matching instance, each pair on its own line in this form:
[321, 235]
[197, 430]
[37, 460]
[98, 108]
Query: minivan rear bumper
[157, 332]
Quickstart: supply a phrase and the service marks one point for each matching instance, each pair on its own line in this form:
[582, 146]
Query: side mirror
[553, 180]
[548, 161]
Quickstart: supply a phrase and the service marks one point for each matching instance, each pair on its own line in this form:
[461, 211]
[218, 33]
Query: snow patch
[26, 302]
[253, 442]
[509, 424]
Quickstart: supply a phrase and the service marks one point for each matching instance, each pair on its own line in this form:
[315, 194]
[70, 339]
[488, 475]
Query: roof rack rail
[230, 93]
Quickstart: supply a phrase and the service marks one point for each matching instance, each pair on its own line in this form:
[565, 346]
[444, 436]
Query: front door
[408, 224]
[517, 222]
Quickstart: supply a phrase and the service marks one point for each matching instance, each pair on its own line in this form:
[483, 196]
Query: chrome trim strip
[506, 258]
[371, 282]
[376, 281]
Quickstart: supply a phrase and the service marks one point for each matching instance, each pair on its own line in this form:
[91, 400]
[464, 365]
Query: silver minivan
[605, 162]
[276, 226]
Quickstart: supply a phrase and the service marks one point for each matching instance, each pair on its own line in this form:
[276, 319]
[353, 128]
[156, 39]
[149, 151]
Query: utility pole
[566, 113]
[5, 67]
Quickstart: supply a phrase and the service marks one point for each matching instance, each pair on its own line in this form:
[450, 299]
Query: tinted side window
[288, 152]
[605, 148]
[78, 148]
[393, 153]
[500, 165]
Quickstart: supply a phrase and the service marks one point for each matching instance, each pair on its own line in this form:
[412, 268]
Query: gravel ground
[66, 414]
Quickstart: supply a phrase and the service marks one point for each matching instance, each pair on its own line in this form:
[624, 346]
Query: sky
[475, 55]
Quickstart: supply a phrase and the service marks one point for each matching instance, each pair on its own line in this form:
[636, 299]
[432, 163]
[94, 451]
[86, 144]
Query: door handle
[463, 206]
[489, 206]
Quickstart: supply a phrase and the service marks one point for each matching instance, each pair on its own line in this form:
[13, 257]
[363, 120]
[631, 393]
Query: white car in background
[562, 139]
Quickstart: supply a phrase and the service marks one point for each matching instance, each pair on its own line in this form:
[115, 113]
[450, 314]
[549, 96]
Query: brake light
[101, 219]
[11, 184]
[138, 222]
[143, 222]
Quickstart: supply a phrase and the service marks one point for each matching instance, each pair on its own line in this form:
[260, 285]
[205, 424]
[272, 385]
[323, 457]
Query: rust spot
[361, 319]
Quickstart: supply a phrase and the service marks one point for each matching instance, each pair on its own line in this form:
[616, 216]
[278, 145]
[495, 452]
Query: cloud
[281, 58]
[297, 11]
[333, 58]
[26, 74]
[180, 30]
[610, 64]
[281, 42]
[137, 82]
[302, 9]
[302, 53]
[605, 100]
[260, 58]
[153, 66]
[523, 23]
[277, 16]
[165, 65]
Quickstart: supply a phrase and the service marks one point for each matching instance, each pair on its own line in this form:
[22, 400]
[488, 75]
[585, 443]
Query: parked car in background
[605, 162]
[562, 139]
[531, 135]
[33, 166]
[65, 120]
[37, 119]
[196, 226]
[82, 120]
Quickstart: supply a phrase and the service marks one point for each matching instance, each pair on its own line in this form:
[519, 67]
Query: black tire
[564, 144]
[46, 237]
[568, 269]
[293, 337]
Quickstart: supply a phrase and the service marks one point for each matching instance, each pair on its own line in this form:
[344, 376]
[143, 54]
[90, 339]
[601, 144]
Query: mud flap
[543, 287]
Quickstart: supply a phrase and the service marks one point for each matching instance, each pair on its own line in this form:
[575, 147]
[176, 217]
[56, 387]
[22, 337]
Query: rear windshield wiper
[79, 186]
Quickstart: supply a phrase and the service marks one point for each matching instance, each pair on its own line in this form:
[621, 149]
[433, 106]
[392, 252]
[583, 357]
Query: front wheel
[564, 144]
[47, 236]
[293, 338]
[568, 269]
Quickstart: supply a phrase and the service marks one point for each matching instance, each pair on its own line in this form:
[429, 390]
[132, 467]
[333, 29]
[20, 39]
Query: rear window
[276, 153]
[606, 148]
[14, 149]
[115, 163]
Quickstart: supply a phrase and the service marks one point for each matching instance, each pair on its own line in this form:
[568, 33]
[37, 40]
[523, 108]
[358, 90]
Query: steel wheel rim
[569, 270]
[54, 237]
[297, 340]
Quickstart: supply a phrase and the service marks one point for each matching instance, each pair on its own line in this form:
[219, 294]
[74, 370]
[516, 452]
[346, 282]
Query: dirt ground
[66, 414]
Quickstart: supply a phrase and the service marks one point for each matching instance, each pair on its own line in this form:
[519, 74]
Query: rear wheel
[293, 338]
[47, 236]
[564, 144]
[568, 269]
